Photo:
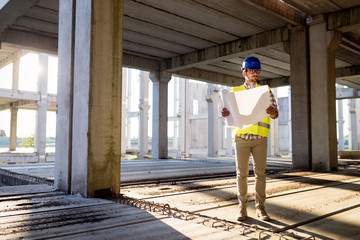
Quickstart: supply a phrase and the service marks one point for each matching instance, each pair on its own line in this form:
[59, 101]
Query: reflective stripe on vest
[262, 128]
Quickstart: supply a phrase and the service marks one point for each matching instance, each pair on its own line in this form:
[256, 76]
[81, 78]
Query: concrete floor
[301, 204]
[155, 169]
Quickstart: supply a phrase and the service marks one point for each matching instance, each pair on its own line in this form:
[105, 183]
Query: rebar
[166, 209]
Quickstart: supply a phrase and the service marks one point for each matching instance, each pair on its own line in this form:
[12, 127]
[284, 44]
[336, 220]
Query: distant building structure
[2, 133]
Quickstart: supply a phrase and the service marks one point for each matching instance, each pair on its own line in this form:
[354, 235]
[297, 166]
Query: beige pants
[258, 149]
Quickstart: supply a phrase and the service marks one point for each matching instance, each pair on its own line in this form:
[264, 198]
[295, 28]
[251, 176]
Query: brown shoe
[261, 213]
[242, 215]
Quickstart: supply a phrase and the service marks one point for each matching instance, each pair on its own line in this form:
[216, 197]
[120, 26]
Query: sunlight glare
[6, 76]
[28, 75]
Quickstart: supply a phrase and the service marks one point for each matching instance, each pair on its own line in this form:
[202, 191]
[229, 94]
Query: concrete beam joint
[282, 10]
[144, 106]
[294, 29]
[251, 44]
[312, 20]
[160, 76]
[208, 98]
[347, 93]
[345, 20]
[348, 71]
[336, 37]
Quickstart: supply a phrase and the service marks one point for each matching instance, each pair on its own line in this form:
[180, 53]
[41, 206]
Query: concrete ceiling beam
[348, 71]
[12, 57]
[209, 77]
[12, 10]
[142, 63]
[345, 20]
[30, 41]
[259, 42]
[347, 93]
[19, 95]
[16, 104]
[281, 10]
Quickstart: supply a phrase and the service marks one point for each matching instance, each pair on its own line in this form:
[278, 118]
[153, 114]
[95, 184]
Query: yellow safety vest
[262, 128]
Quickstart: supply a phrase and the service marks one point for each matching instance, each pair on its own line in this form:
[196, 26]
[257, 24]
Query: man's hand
[225, 113]
[272, 112]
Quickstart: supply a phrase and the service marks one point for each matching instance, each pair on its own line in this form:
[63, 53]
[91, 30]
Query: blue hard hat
[251, 63]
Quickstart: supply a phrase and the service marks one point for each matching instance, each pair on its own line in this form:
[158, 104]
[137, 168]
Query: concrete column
[228, 139]
[269, 142]
[340, 125]
[290, 125]
[160, 114]
[274, 133]
[13, 128]
[123, 115]
[229, 145]
[128, 108]
[213, 112]
[14, 111]
[144, 115]
[63, 145]
[300, 98]
[176, 110]
[323, 44]
[40, 130]
[97, 94]
[357, 110]
[182, 110]
[15, 76]
[353, 125]
[188, 128]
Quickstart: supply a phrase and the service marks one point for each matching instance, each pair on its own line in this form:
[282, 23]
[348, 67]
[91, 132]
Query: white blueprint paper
[246, 107]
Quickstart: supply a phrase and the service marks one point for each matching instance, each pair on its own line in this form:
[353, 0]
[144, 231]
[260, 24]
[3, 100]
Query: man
[252, 140]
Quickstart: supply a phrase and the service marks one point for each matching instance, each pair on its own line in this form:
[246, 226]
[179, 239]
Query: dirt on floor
[293, 180]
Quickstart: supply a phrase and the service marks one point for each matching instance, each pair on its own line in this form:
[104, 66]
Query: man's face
[251, 75]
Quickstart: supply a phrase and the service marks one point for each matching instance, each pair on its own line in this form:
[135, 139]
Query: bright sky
[28, 82]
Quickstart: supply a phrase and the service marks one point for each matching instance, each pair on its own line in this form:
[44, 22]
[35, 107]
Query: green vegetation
[27, 142]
